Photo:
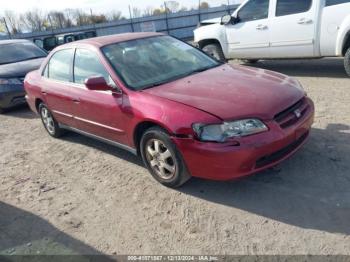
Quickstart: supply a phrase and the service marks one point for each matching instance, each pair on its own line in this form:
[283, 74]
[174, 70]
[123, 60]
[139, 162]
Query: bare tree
[13, 21]
[172, 6]
[81, 18]
[59, 19]
[136, 12]
[148, 11]
[115, 16]
[34, 20]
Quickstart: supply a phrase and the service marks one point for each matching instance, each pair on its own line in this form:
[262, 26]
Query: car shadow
[328, 67]
[310, 190]
[106, 148]
[23, 112]
[24, 233]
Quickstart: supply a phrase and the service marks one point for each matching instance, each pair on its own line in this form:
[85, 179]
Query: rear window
[17, 52]
[336, 2]
[290, 7]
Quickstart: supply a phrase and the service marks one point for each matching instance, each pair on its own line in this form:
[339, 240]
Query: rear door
[57, 90]
[249, 36]
[97, 112]
[293, 28]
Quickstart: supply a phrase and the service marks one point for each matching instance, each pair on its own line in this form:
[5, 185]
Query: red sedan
[185, 113]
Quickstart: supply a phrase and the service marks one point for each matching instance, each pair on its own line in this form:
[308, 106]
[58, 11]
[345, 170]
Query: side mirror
[226, 19]
[235, 19]
[97, 83]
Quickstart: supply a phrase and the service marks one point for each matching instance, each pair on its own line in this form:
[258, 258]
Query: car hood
[233, 92]
[211, 21]
[20, 69]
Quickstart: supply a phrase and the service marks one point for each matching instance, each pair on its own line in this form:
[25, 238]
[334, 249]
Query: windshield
[147, 62]
[16, 52]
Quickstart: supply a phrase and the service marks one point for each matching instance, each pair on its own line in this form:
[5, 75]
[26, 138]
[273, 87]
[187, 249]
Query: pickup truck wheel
[215, 51]
[250, 61]
[162, 158]
[347, 62]
[49, 122]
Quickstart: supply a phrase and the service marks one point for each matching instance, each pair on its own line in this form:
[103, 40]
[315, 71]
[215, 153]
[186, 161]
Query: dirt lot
[76, 195]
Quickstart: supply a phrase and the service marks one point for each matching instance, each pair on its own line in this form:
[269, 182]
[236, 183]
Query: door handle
[44, 93]
[76, 101]
[261, 27]
[304, 21]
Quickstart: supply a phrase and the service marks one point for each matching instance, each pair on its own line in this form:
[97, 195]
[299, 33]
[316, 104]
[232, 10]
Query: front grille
[291, 115]
[269, 159]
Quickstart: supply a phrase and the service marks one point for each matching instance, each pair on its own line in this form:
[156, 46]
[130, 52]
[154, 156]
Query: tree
[115, 16]
[136, 12]
[13, 21]
[204, 5]
[148, 11]
[172, 6]
[34, 20]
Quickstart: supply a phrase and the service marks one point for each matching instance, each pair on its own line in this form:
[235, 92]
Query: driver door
[97, 112]
[248, 36]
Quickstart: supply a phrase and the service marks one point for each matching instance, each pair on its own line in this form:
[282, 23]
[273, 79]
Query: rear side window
[254, 10]
[290, 7]
[87, 64]
[60, 64]
[336, 2]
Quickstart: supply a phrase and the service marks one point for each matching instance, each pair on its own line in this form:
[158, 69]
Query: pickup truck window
[254, 10]
[289, 7]
[336, 2]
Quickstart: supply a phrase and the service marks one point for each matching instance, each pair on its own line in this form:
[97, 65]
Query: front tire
[215, 51]
[49, 122]
[250, 61]
[162, 158]
[347, 61]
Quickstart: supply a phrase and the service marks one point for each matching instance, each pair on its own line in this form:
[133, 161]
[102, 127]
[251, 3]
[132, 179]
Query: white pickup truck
[277, 29]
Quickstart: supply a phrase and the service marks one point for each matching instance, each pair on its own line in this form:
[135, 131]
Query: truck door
[293, 28]
[248, 36]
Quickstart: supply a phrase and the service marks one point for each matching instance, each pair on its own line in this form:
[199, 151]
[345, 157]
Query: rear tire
[162, 158]
[49, 122]
[2, 110]
[347, 61]
[215, 51]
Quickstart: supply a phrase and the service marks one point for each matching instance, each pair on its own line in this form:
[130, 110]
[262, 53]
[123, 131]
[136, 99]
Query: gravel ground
[75, 195]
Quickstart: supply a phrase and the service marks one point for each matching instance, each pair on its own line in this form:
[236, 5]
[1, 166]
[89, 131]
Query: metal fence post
[166, 18]
[199, 10]
[7, 28]
[131, 20]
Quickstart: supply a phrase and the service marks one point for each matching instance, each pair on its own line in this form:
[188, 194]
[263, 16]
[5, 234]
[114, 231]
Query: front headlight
[10, 81]
[222, 132]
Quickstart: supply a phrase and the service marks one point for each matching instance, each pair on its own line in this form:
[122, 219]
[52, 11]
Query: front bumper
[11, 96]
[255, 153]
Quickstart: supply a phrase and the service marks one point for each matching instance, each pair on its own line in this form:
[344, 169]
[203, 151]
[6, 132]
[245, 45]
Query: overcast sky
[97, 6]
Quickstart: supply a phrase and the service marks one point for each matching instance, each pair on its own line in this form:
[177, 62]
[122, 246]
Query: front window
[59, 66]
[87, 64]
[17, 52]
[254, 10]
[147, 62]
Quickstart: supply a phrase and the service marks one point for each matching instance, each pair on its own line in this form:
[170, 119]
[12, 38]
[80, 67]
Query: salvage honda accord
[184, 112]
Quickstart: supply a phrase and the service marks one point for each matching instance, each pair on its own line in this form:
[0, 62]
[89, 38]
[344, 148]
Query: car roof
[111, 39]
[13, 41]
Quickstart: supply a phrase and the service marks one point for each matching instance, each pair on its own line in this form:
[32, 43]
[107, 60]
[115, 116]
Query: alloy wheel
[48, 120]
[160, 159]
